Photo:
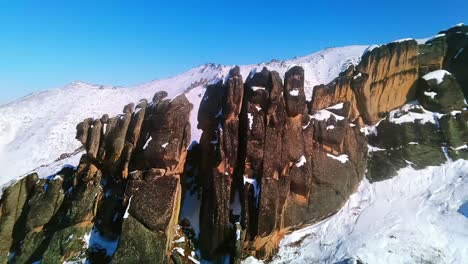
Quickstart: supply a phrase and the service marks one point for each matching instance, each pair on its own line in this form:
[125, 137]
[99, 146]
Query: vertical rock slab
[294, 91]
[432, 54]
[388, 73]
[456, 57]
[12, 206]
[219, 146]
[151, 217]
[153, 191]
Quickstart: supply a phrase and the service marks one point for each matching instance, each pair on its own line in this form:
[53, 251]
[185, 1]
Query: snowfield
[415, 217]
[35, 130]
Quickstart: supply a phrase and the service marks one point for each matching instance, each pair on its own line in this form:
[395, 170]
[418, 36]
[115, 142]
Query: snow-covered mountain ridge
[35, 130]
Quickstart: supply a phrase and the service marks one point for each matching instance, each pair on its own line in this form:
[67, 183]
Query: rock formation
[267, 161]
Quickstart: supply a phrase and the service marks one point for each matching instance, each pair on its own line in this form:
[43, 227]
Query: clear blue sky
[46, 44]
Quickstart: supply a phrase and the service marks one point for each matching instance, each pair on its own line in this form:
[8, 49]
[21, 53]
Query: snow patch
[250, 117]
[432, 95]
[301, 162]
[436, 75]
[294, 92]
[256, 88]
[402, 40]
[147, 142]
[128, 207]
[341, 158]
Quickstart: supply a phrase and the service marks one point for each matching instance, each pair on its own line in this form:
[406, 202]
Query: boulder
[439, 91]
[456, 57]
[151, 218]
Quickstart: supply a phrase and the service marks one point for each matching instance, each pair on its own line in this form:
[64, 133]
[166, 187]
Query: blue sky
[47, 44]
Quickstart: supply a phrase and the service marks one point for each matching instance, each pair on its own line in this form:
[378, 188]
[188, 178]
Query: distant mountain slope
[37, 129]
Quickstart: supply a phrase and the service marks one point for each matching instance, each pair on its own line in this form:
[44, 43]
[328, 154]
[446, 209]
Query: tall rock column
[218, 117]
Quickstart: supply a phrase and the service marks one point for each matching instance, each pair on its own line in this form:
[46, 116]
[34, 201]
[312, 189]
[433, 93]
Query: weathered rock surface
[267, 161]
[387, 74]
[444, 95]
[432, 55]
[456, 57]
[338, 91]
[151, 218]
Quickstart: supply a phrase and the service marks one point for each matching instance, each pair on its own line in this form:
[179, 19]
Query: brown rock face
[282, 169]
[338, 91]
[387, 75]
[219, 119]
[294, 91]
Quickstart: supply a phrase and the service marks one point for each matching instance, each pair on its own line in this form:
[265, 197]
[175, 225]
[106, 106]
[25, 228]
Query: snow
[432, 95]
[255, 88]
[255, 185]
[250, 117]
[462, 147]
[301, 162]
[330, 127]
[359, 75]
[341, 158]
[371, 130]
[415, 217]
[325, 115]
[371, 48]
[147, 142]
[128, 207]
[403, 115]
[374, 149]
[436, 75]
[336, 107]
[165, 145]
[294, 92]
[36, 129]
[402, 40]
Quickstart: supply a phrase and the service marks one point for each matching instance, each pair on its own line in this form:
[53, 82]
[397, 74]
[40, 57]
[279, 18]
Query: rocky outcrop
[12, 211]
[456, 57]
[385, 77]
[151, 217]
[219, 119]
[287, 159]
[432, 54]
[58, 217]
[439, 91]
[384, 80]
[267, 161]
[338, 91]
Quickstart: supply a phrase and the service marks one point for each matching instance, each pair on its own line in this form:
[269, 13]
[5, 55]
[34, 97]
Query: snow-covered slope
[414, 217]
[37, 129]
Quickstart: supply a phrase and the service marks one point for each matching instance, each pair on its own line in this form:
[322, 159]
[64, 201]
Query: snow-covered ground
[35, 130]
[415, 217]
